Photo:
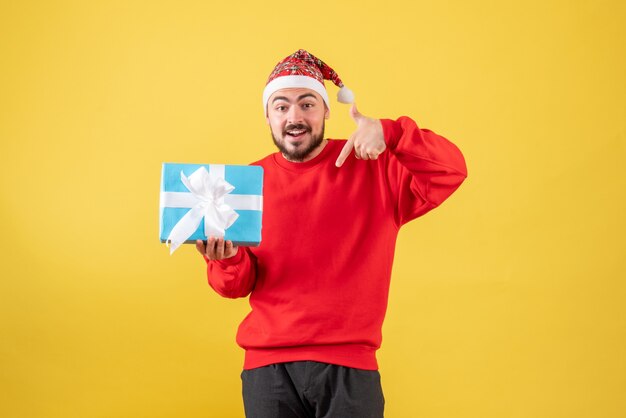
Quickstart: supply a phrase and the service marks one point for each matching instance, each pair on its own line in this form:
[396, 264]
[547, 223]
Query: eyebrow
[302, 96]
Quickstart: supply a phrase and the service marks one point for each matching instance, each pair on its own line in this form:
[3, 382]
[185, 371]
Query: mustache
[298, 126]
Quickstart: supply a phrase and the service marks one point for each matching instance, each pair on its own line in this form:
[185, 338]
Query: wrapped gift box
[197, 200]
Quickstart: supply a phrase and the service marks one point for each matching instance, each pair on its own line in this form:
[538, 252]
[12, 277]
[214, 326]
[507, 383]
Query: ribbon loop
[209, 192]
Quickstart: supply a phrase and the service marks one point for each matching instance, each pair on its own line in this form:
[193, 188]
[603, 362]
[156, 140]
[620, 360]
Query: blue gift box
[245, 199]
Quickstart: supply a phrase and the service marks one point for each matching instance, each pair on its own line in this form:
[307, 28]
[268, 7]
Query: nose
[294, 115]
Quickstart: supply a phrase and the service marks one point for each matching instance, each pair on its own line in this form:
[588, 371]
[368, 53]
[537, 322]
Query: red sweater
[319, 281]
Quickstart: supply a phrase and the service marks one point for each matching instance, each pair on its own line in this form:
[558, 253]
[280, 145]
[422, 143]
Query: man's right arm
[231, 270]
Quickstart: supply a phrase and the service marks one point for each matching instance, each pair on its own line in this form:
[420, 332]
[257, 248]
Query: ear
[326, 112]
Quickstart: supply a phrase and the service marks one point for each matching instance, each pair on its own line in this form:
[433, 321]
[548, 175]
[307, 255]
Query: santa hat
[302, 69]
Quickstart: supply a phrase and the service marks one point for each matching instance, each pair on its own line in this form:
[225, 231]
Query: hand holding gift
[216, 248]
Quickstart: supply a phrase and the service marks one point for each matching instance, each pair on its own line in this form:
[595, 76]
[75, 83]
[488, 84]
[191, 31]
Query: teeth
[295, 132]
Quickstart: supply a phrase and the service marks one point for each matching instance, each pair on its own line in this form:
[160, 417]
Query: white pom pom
[345, 95]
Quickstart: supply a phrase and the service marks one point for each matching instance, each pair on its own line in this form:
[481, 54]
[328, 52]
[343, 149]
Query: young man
[319, 281]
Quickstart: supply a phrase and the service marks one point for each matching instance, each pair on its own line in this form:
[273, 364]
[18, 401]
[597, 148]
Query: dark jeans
[308, 389]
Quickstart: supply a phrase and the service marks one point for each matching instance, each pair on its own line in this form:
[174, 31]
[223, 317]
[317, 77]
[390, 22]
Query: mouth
[296, 133]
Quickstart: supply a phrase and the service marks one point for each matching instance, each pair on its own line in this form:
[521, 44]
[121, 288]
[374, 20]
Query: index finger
[346, 150]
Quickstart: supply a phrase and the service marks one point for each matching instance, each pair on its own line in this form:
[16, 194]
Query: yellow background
[507, 301]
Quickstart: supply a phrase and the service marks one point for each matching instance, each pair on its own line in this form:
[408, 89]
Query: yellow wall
[506, 302]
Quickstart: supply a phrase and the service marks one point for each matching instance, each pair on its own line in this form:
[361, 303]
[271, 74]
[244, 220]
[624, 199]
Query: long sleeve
[233, 277]
[423, 168]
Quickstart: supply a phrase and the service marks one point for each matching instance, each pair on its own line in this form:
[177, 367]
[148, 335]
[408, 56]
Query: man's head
[295, 99]
[296, 117]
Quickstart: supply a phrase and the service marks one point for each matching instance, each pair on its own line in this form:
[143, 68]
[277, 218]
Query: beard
[301, 150]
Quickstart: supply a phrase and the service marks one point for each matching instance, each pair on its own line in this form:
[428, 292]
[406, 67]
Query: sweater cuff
[392, 131]
[231, 261]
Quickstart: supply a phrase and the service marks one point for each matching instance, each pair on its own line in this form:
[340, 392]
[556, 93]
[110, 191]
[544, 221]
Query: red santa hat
[302, 69]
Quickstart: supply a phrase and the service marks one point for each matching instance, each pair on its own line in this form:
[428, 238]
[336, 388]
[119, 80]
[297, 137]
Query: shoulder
[336, 145]
[263, 162]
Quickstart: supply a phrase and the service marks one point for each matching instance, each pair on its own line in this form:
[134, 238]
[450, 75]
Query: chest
[323, 203]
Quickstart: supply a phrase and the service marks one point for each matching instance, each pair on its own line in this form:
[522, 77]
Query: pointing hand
[368, 140]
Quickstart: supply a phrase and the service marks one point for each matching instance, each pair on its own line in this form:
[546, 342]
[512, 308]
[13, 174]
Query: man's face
[296, 118]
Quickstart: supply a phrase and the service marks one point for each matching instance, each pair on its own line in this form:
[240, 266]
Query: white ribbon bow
[208, 192]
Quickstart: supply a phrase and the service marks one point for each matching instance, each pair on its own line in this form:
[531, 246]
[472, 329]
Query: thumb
[355, 113]
[345, 152]
[200, 246]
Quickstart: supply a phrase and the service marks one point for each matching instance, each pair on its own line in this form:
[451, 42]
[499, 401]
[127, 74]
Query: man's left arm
[423, 168]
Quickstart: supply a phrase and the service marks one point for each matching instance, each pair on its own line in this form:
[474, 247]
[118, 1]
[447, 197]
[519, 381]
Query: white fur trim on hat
[293, 81]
